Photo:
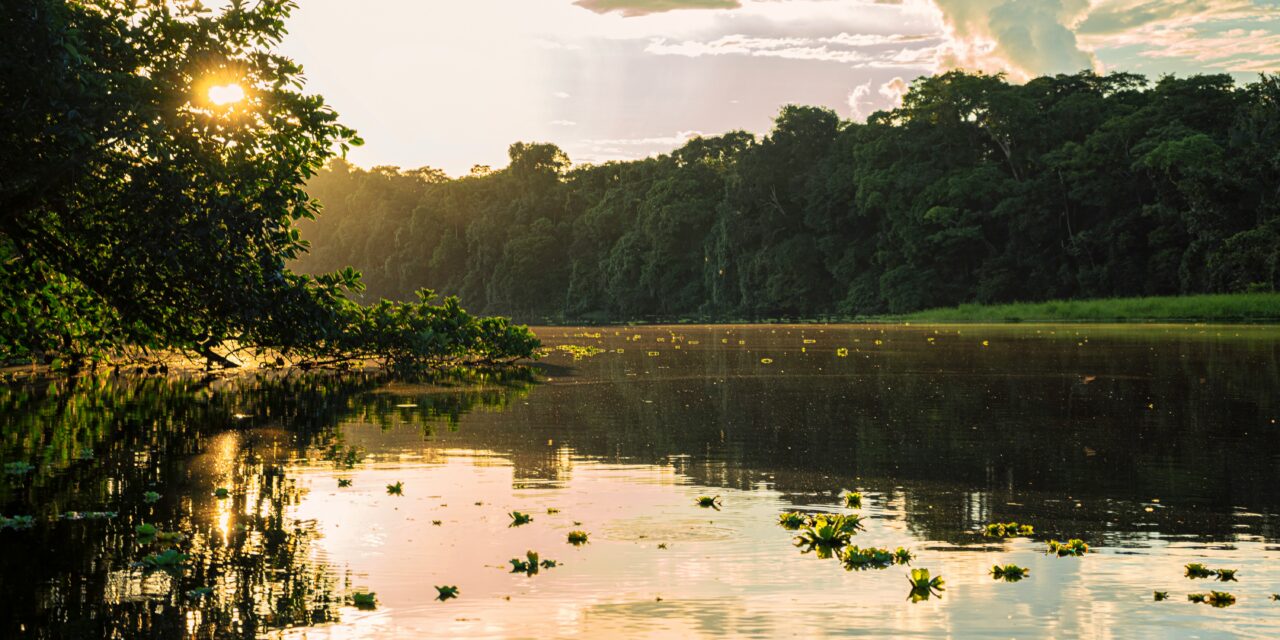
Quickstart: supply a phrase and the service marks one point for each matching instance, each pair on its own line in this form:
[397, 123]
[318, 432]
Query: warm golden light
[225, 94]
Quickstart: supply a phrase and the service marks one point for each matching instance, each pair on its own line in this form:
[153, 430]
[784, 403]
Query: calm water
[1159, 446]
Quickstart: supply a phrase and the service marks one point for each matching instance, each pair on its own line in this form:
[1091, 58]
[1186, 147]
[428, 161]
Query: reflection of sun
[224, 94]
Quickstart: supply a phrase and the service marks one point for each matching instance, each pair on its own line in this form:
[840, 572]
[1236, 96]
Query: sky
[451, 83]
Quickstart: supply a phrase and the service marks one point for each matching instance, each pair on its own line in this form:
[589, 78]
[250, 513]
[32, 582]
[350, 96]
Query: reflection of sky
[732, 572]
[451, 83]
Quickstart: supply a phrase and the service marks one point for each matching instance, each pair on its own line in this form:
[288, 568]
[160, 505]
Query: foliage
[975, 190]
[577, 537]
[138, 215]
[1009, 572]
[396, 489]
[792, 520]
[1219, 599]
[853, 499]
[531, 565]
[17, 522]
[709, 501]
[1197, 570]
[1007, 530]
[518, 518]
[829, 532]
[1222, 307]
[1159, 596]
[364, 600]
[923, 586]
[1072, 547]
[860, 559]
[167, 559]
[151, 497]
[446, 592]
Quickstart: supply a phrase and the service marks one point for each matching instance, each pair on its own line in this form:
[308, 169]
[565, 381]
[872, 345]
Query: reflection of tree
[963, 429]
[100, 443]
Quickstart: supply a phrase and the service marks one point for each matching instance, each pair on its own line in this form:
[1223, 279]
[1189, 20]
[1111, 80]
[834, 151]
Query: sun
[225, 94]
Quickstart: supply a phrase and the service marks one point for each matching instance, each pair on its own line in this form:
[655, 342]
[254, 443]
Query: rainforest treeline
[974, 190]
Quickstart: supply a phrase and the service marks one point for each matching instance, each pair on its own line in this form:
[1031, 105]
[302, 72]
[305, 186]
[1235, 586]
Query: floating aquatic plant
[1072, 547]
[1275, 597]
[1220, 599]
[859, 559]
[365, 600]
[662, 545]
[1196, 570]
[792, 520]
[902, 556]
[709, 501]
[1160, 596]
[853, 499]
[199, 592]
[829, 532]
[221, 492]
[437, 522]
[1226, 575]
[1009, 572]
[552, 511]
[518, 518]
[577, 537]
[1198, 598]
[531, 564]
[167, 559]
[344, 482]
[151, 497]
[446, 592]
[17, 522]
[88, 515]
[1007, 530]
[19, 468]
[396, 489]
[146, 530]
[923, 586]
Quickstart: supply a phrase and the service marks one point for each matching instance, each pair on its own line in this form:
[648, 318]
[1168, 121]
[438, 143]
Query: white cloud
[858, 106]
[562, 95]
[564, 123]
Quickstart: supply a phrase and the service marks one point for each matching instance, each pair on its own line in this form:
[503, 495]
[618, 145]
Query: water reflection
[1158, 446]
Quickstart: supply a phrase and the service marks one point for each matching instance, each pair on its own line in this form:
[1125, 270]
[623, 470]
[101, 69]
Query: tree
[157, 154]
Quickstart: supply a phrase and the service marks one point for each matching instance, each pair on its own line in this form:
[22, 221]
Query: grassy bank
[1233, 307]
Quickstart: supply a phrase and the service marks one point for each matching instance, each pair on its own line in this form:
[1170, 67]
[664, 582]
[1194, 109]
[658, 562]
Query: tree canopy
[151, 185]
[974, 190]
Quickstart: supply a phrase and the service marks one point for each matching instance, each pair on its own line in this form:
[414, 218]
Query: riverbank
[1216, 308]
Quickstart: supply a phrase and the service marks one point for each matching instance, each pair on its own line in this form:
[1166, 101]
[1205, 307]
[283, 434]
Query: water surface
[1156, 445]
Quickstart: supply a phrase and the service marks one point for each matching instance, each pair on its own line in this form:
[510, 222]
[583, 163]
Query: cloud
[863, 50]
[644, 7]
[564, 123]
[562, 95]
[894, 89]
[858, 106]
[1025, 38]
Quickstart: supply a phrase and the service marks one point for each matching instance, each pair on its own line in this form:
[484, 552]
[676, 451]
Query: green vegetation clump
[1007, 530]
[1159, 596]
[518, 518]
[147, 217]
[167, 559]
[709, 501]
[446, 592]
[924, 586]
[1222, 307]
[531, 564]
[1196, 570]
[221, 492]
[577, 537]
[364, 600]
[1072, 547]
[19, 468]
[396, 489]
[17, 522]
[859, 559]
[151, 497]
[792, 520]
[853, 499]
[827, 533]
[1009, 572]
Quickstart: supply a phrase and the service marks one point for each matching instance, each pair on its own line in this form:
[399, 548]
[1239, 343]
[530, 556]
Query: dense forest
[974, 190]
